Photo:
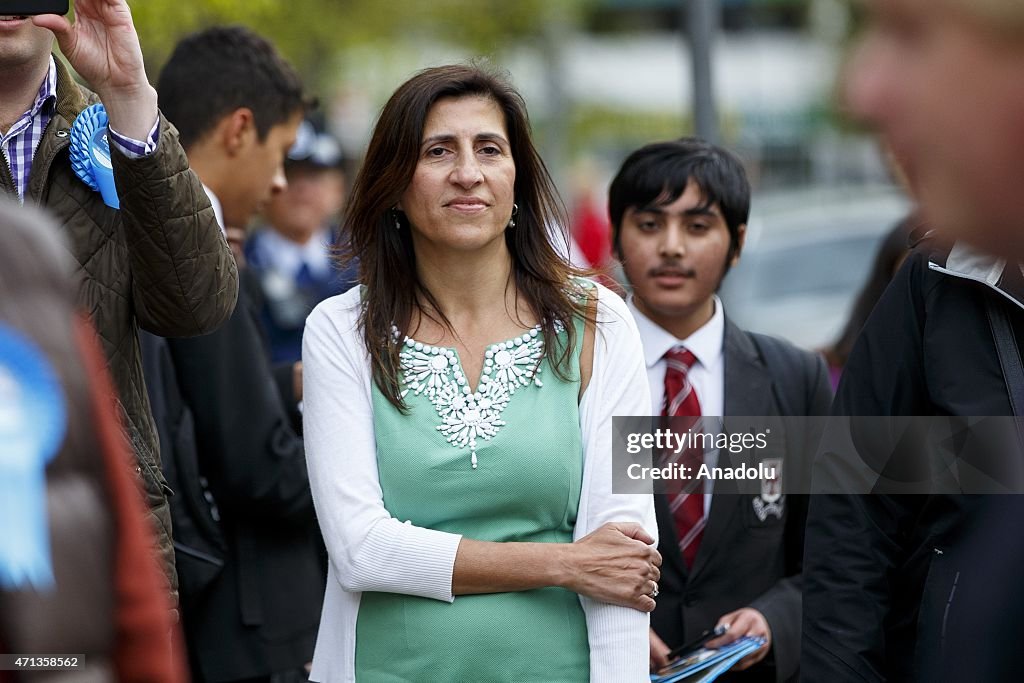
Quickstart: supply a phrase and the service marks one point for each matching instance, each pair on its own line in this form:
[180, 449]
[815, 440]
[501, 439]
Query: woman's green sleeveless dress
[502, 464]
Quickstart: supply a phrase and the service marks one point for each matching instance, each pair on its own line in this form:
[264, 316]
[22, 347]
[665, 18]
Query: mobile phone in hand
[699, 641]
[24, 8]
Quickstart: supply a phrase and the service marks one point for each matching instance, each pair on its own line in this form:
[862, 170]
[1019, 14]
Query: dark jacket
[886, 577]
[743, 560]
[160, 263]
[260, 615]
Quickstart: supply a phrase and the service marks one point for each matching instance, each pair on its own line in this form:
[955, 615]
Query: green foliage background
[367, 47]
[312, 33]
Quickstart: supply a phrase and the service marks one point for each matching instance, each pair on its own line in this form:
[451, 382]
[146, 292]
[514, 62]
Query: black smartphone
[23, 8]
[699, 641]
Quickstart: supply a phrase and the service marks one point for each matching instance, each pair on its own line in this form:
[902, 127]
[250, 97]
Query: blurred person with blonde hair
[941, 81]
[926, 587]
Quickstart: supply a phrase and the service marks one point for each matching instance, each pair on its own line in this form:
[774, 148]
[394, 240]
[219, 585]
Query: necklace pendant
[435, 373]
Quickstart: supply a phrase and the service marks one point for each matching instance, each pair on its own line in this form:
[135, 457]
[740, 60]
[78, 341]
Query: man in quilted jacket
[159, 261]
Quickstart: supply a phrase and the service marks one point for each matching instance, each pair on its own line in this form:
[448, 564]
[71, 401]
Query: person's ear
[741, 237]
[237, 130]
[617, 233]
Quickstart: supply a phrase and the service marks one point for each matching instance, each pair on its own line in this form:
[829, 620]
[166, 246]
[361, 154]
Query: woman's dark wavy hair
[385, 255]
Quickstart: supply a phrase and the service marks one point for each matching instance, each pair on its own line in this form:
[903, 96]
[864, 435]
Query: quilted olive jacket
[160, 263]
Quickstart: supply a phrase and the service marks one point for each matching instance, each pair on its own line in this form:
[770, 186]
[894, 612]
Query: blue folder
[705, 665]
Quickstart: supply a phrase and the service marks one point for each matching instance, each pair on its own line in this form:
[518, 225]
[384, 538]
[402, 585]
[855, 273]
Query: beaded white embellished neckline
[467, 415]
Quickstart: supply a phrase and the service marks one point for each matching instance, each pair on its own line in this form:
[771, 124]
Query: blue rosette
[33, 421]
[90, 153]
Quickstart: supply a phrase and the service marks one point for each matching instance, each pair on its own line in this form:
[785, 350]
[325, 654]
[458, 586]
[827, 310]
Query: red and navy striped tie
[687, 505]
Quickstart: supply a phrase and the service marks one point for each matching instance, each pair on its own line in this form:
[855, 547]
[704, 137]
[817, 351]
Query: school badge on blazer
[771, 500]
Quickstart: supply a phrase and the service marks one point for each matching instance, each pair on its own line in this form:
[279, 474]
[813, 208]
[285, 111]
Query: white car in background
[807, 256]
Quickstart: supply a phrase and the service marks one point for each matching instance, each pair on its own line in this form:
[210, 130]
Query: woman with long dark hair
[458, 414]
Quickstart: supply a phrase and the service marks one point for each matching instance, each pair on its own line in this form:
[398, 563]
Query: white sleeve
[369, 550]
[619, 642]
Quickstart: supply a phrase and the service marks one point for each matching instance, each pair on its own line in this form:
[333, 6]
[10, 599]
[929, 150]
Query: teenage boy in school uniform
[679, 212]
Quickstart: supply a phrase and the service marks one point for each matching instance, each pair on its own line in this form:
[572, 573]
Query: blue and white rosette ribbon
[90, 153]
[33, 421]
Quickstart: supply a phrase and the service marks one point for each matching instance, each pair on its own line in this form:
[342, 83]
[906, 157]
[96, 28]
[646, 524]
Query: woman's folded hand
[617, 564]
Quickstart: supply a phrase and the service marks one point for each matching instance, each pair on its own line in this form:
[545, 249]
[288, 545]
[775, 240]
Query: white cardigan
[371, 551]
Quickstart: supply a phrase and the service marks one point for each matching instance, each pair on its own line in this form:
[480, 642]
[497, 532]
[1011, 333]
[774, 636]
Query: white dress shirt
[218, 211]
[287, 257]
[707, 376]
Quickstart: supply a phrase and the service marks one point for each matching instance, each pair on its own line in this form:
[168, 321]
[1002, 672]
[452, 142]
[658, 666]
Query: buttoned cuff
[136, 149]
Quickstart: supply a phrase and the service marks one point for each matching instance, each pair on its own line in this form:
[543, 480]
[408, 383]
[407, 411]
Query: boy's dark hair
[657, 174]
[216, 71]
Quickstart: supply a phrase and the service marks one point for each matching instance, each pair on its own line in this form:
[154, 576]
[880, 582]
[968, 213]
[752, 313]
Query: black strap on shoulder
[1009, 357]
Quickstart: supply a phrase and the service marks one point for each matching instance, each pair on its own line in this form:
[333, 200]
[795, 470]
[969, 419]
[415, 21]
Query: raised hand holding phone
[103, 47]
